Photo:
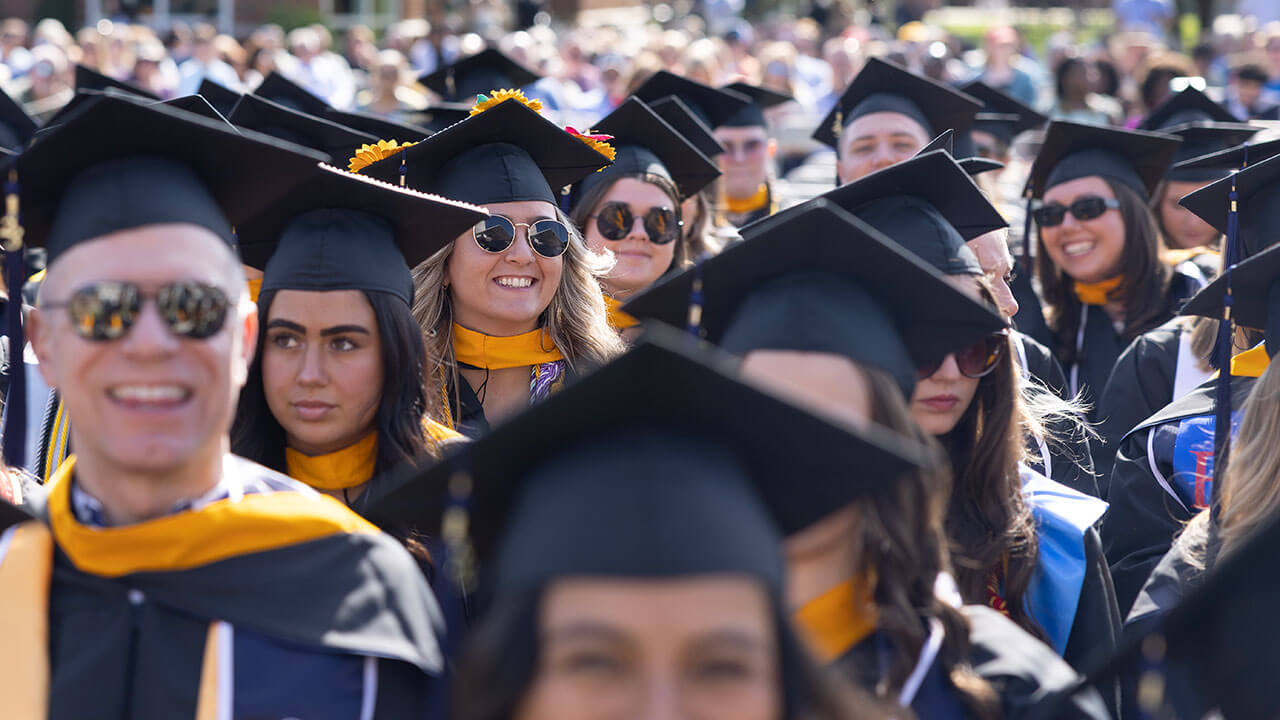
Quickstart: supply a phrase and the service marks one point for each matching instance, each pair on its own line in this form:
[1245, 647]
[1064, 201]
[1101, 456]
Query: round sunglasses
[615, 220]
[1086, 207]
[975, 360]
[105, 311]
[548, 238]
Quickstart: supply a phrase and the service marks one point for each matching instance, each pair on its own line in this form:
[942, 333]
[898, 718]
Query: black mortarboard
[441, 115]
[87, 79]
[117, 163]
[198, 105]
[647, 145]
[972, 165]
[219, 96]
[713, 106]
[336, 230]
[1257, 191]
[16, 126]
[282, 91]
[928, 205]
[1188, 106]
[507, 153]
[762, 99]
[337, 141]
[1202, 138]
[1001, 115]
[379, 127]
[1234, 158]
[882, 86]
[679, 116]
[482, 73]
[1255, 291]
[818, 279]
[674, 484]
[1136, 159]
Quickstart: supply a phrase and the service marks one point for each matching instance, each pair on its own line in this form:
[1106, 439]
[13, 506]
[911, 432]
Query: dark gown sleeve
[1097, 627]
[1043, 366]
[1140, 384]
[1142, 519]
[1069, 457]
[1024, 671]
[1030, 317]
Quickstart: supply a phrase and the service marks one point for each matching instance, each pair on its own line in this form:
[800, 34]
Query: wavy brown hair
[1142, 293]
[587, 205]
[901, 535]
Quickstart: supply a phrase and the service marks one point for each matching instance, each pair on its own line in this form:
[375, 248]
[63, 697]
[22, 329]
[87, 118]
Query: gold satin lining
[1097, 293]
[221, 530]
[838, 619]
[440, 433]
[617, 318]
[500, 353]
[738, 206]
[25, 571]
[207, 699]
[1251, 363]
[346, 468]
[255, 287]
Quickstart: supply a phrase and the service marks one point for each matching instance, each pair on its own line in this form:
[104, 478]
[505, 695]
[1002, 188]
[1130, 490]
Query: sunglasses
[1084, 208]
[548, 238]
[976, 359]
[615, 220]
[106, 310]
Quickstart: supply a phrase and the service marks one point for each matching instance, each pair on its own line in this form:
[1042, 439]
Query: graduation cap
[335, 230]
[1215, 649]
[198, 105]
[1256, 191]
[1136, 159]
[679, 116]
[1233, 158]
[337, 141]
[674, 484]
[972, 165]
[282, 91]
[1255, 291]
[1001, 115]
[1188, 106]
[87, 79]
[441, 115]
[379, 127]
[1200, 139]
[882, 86]
[477, 74]
[16, 126]
[818, 279]
[507, 153]
[761, 99]
[219, 96]
[713, 106]
[647, 145]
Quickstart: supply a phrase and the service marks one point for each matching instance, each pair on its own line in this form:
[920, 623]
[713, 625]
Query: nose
[1005, 299]
[150, 337]
[662, 699]
[521, 250]
[884, 157]
[949, 370]
[313, 372]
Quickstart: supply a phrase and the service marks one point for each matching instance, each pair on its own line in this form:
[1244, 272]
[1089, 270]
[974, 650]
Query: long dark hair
[901, 537]
[501, 658]
[582, 210]
[258, 436]
[1142, 293]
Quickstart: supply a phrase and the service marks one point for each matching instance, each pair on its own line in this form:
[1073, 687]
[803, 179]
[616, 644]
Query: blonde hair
[575, 321]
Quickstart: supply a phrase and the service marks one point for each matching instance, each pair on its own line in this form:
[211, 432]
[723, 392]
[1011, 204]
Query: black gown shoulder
[1068, 456]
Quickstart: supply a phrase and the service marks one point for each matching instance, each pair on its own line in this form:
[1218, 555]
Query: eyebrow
[587, 629]
[731, 637]
[335, 330]
[893, 135]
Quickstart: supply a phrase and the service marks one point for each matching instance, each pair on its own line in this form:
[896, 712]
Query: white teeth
[1077, 248]
[148, 393]
[515, 282]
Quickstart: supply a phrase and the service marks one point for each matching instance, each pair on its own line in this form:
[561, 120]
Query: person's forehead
[753, 132]
[148, 254]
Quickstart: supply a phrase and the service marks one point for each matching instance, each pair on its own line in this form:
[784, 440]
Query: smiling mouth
[515, 282]
[1076, 248]
[150, 397]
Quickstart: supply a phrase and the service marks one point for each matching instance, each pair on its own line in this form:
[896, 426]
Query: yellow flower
[595, 142]
[496, 97]
[370, 154]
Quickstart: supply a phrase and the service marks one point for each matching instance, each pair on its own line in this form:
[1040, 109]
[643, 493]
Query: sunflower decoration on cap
[370, 154]
[497, 97]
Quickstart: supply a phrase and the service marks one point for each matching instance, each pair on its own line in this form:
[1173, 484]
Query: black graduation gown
[1096, 631]
[1160, 480]
[318, 628]
[1030, 317]
[469, 415]
[1068, 460]
[1022, 670]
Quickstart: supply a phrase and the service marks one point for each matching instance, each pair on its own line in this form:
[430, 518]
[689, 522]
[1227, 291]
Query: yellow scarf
[224, 529]
[255, 287]
[1251, 363]
[340, 470]
[838, 619]
[499, 353]
[1097, 293]
[1173, 257]
[737, 206]
[617, 318]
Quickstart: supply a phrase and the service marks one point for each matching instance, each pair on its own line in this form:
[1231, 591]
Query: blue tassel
[694, 322]
[1224, 346]
[14, 445]
[1026, 236]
